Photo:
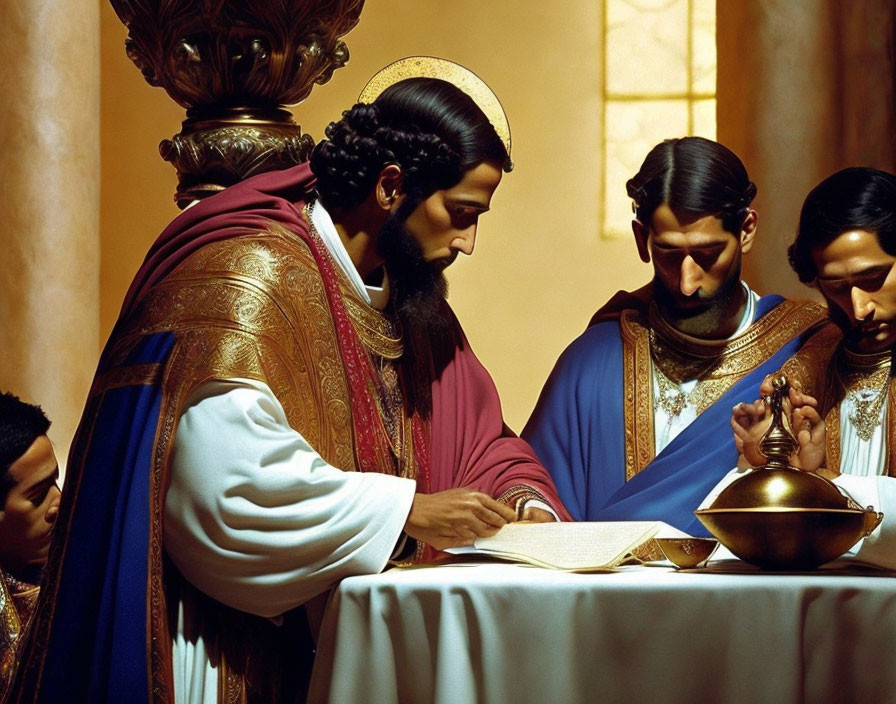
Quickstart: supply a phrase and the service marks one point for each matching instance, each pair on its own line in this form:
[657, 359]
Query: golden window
[659, 82]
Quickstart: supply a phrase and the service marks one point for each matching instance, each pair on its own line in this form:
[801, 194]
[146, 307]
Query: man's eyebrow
[697, 247]
[869, 271]
[38, 487]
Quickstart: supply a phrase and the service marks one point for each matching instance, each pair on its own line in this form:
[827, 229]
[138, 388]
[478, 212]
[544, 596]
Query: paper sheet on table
[584, 546]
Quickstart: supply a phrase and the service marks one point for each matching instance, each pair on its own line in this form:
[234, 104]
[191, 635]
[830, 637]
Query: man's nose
[862, 304]
[53, 510]
[465, 241]
[691, 276]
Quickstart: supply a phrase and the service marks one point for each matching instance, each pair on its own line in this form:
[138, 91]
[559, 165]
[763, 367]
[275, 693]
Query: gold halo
[460, 76]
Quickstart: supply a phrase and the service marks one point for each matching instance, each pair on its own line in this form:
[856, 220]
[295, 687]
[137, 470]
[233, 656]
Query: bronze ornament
[234, 65]
[209, 160]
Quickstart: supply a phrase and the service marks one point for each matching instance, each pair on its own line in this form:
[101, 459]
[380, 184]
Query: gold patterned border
[832, 437]
[120, 377]
[637, 386]
[517, 496]
[891, 429]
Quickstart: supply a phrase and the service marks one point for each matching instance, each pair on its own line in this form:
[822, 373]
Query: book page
[585, 545]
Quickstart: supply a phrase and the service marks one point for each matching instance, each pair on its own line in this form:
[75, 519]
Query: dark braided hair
[431, 129]
[695, 177]
[20, 425]
[857, 198]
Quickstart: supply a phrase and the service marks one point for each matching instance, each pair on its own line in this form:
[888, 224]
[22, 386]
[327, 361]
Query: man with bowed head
[287, 400]
[29, 504]
[633, 422]
[843, 395]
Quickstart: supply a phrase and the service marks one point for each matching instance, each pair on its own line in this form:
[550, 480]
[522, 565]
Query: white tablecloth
[511, 634]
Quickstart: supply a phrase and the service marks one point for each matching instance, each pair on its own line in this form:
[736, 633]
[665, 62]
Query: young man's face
[31, 507]
[856, 277]
[696, 267]
[444, 224]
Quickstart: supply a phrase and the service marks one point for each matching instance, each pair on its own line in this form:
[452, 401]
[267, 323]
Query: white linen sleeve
[535, 503]
[256, 519]
[879, 548]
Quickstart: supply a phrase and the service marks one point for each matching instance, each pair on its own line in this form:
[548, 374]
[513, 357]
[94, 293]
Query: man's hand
[808, 427]
[750, 421]
[806, 424]
[533, 514]
[455, 517]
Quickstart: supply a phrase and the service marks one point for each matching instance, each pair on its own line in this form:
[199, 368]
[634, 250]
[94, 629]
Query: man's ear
[641, 236]
[748, 231]
[389, 187]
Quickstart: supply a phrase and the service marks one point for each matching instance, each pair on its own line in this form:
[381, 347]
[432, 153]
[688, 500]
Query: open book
[578, 546]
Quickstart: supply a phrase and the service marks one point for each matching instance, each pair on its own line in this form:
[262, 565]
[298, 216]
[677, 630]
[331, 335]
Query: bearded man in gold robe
[286, 400]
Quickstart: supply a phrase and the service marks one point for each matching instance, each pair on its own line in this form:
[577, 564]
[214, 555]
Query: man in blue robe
[633, 422]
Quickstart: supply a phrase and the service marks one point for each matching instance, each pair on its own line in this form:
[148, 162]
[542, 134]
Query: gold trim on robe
[891, 429]
[637, 393]
[832, 437]
[17, 602]
[721, 365]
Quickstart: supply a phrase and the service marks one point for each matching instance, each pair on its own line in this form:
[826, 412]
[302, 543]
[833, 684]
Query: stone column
[804, 89]
[49, 195]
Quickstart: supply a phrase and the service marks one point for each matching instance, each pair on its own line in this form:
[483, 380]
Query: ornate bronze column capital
[235, 65]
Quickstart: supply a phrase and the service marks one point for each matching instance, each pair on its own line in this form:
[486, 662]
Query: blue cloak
[578, 432]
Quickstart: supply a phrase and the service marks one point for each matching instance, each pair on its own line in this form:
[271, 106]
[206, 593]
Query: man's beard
[705, 318]
[418, 287]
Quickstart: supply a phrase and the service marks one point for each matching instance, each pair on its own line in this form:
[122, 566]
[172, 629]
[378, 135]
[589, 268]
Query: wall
[540, 268]
[49, 197]
[804, 89]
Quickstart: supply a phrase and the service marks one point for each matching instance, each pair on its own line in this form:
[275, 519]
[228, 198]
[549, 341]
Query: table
[507, 633]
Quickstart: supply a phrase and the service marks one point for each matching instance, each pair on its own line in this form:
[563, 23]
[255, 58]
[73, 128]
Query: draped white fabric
[495, 633]
[257, 520]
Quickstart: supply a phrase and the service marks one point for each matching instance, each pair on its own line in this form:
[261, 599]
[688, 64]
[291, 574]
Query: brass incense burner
[779, 517]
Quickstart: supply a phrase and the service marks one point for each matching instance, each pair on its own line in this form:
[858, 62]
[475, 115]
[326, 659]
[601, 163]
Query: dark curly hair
[431, 129]
[20, 425]
[695, 177]
[857, 198]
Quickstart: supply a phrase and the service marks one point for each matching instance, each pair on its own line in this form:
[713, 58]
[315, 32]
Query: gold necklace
[671, 397]
[866, 380]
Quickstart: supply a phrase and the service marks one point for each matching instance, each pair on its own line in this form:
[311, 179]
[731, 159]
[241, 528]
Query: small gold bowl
[687, 552]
